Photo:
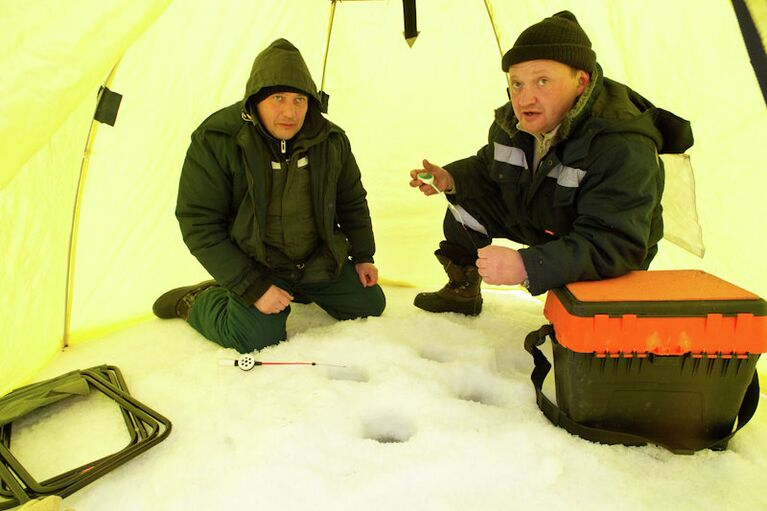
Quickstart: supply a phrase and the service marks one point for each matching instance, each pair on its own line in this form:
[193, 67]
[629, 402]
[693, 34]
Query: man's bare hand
[442, 179]
[500, 265]
[368, 274]
[273, 301]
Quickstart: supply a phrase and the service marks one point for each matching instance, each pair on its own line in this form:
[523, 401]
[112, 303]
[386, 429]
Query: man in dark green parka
[571, 169]
[271, 203]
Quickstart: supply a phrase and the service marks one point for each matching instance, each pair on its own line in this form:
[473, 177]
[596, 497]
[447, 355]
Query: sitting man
[271, 203]
[571, 170]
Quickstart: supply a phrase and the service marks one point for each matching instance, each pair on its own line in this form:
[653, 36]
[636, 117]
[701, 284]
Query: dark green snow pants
[224, 319]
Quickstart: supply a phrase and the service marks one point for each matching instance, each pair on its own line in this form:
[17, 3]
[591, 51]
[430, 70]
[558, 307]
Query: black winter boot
[461, 294]
[177, 302]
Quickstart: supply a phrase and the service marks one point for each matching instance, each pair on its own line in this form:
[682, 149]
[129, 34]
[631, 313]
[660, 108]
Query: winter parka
[224, 187]
[591, 209]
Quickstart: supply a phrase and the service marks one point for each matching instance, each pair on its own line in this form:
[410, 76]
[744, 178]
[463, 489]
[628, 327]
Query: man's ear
[583, 80]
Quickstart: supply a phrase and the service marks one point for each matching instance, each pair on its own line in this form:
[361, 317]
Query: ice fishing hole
[476, 394]
[476, 397]
[348, 374]
[388, 429]
[435, 354]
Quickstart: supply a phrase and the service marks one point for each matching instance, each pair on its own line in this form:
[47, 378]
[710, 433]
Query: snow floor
[431, 412]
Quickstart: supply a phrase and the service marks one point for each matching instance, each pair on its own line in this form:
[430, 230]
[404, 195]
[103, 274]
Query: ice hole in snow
[435, 353]
[477, 386]
[351, 373]
[477, 395]
[388, 428]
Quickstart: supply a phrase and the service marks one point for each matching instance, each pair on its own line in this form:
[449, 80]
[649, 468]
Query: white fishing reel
[246, 362]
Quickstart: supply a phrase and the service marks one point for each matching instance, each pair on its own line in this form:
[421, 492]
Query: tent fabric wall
[397, 104]
[54, 57]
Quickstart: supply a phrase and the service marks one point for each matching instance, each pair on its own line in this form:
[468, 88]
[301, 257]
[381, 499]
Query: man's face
[283, 114]
[543, 91]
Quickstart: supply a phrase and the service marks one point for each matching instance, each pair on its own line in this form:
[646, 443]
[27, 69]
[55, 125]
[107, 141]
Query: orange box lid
[659, 293]
[659, 286]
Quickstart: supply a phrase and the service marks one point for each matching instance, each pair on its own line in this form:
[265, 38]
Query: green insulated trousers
[224, 319]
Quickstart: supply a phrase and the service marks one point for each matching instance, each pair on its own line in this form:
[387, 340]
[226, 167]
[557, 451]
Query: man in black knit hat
[271, 203]
[571, 170]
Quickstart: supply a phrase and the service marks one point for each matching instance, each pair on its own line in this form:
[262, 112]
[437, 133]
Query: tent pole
[73, 233]
[753, 42]
[327, 42]
[495, 28]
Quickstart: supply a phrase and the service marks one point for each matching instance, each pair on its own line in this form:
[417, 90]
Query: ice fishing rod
[428, 179]
[247, 362]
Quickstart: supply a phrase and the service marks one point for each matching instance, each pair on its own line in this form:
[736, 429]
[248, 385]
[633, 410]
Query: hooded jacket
[591, 209]
[225, 182]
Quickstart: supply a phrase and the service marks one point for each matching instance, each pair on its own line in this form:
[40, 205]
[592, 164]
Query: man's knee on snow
[377, 302]
[371, 303]
[248, 336]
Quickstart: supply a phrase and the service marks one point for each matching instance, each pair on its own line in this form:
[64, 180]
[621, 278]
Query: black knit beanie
[559, 38]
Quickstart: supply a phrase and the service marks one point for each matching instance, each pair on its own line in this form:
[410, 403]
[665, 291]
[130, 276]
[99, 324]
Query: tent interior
[90, 238]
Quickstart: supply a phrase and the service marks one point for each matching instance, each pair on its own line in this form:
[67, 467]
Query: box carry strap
[606, 436]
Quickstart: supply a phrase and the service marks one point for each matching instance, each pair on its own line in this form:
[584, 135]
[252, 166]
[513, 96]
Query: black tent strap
[107, 107]
[411, 23]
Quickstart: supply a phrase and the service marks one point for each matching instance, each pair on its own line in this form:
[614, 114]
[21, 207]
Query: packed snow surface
[413, 411]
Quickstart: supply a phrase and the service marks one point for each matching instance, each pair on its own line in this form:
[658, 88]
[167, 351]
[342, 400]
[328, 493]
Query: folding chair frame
[145, 426]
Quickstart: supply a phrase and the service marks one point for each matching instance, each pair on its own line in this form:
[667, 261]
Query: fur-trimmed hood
[606, 106]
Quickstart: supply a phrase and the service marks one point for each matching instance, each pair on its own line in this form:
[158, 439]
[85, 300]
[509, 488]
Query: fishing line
[428, 178]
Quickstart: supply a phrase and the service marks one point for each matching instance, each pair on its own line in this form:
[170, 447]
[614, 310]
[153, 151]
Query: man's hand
[442, 179]
[500, 265]
[368, 274]
[273, 301]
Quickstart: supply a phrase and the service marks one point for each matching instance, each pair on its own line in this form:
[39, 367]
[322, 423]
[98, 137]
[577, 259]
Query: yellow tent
[86, 210]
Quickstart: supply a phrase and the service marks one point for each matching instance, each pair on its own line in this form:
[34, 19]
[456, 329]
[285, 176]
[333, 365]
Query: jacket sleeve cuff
[362, 259]
[533, 269]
